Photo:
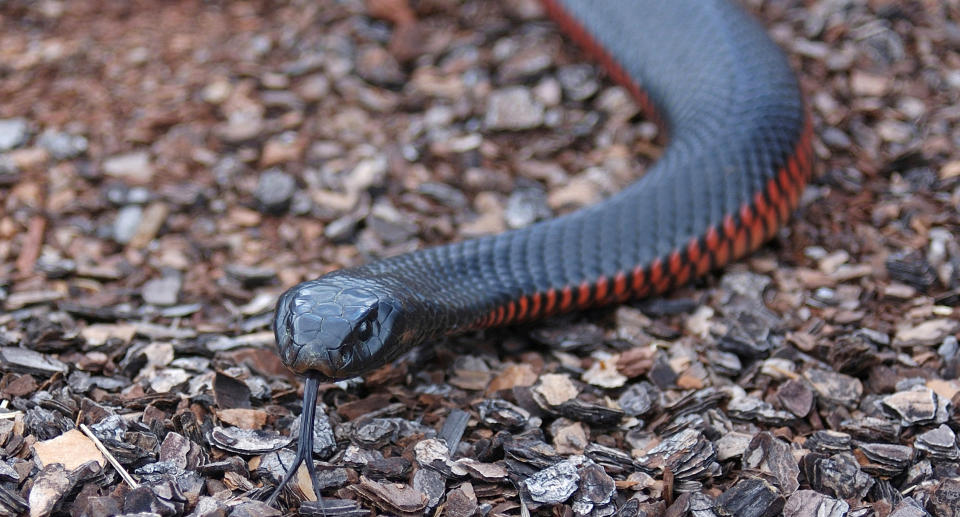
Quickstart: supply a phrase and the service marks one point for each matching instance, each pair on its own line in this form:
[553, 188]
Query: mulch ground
[167, 169]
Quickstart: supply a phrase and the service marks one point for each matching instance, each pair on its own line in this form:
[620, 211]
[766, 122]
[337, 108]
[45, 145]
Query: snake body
[738, 157]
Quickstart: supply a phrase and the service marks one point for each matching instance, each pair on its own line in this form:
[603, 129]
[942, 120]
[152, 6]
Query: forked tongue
[304, 443]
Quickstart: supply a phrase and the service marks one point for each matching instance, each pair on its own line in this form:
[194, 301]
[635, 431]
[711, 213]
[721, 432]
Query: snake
[737, 158]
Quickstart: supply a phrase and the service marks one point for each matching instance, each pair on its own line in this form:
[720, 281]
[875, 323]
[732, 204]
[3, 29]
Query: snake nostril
[333, 363]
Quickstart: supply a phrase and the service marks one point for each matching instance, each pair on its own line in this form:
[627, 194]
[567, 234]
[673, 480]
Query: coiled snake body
[738, 157]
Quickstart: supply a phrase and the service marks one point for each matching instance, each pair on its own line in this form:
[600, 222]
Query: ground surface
[168, 168]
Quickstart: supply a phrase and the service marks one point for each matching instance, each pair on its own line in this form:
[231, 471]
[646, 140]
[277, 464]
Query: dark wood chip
[751, 497]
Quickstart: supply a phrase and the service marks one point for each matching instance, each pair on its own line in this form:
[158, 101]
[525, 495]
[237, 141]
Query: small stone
[747, 335]
[569, 437]
[490, 221]
[835, 387]
[274, 81]
[950, 170]
[396, 498]
[742, 407]
[895, 131]
[283, 148]
[725, 363]
[870, 85]
[71, 449]
[553, 485]
[245, 508]
[513, 108]
[275, 191]
[841, 476]
[49, 487]
[247, 441]
[216, 92]
[390, 225]
[242, 124]
[461, 502]
[251, 276]
[662, 374]
[912, 269]
[945, 390]
[886, 459]
[445, 194]
[548, 92]
[470, 373]
[556, 389]
[836, 138]
[396, 468]
[688, 454]
[899, 291]
[341, 229]
[928, 333]
[732, 445]
[62, 146]
[796, 397]
[369, 173]
[122, 195]
[569, 337]
[527, 62]
[579, 82]
[175, 449]
[25, 298]
[939, 443]
[914, 406]
[126, 224]
[135, 167]
[596, 489]
[750, 497]
[431, 483]
[945, 499]
[242, 418]
[162, 291]
[603, 372]
[376, 65]
[808, 502]
[13, 133]
[151, 220]
[772, 456]
[909, 508]
[168, 379]
[498, 413]
[27, 158]
[830, 442]
[512, 376]
[637, 361]
[579, 191]
[314, 87]
[636, 400]
[746, 284]
[25, 360]
[525, 207]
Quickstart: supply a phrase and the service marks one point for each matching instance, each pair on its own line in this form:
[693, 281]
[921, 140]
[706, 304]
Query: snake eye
[364, 330]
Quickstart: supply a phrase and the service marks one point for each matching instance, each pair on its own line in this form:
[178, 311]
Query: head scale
[339, 326]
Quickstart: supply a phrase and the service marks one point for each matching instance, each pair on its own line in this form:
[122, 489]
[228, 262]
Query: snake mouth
[313, 359]
[327, 371]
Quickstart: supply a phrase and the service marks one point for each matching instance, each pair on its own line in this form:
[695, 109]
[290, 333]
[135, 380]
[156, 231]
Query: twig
[31, 246]
[113, 461]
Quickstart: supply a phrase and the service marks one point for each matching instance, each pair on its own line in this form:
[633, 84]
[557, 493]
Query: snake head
[337, 327]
